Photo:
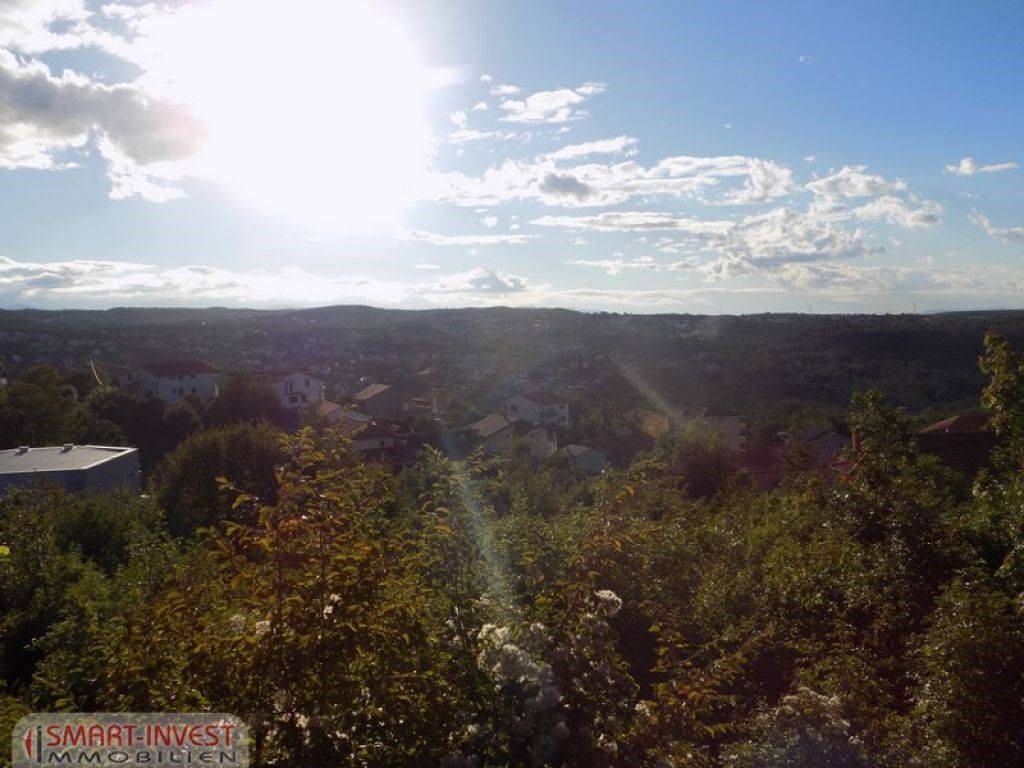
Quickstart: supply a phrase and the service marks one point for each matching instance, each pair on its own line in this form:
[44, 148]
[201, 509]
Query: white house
[172, 382]
[75, 467]
[538, 408]
[295, 388]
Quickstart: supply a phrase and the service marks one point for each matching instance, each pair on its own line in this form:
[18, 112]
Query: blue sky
[638, 157]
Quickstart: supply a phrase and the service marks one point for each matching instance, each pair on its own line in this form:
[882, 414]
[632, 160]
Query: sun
[313, 110]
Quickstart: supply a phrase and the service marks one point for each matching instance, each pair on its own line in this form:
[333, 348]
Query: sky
[703, 157]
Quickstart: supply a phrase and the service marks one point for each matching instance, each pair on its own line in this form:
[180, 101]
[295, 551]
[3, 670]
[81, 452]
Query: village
[389, 423]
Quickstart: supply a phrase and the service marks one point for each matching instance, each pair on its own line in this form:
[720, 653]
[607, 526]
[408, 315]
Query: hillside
[770, 362]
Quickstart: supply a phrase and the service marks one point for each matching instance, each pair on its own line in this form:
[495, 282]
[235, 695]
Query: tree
[188, 486]
[244, 398]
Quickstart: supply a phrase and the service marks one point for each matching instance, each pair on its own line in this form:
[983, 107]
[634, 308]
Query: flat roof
[58, 458]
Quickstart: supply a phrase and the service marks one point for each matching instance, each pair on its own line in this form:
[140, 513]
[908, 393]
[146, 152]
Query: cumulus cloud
[897, 211]
[505, 90]
[854, 181]
[756, 242]
[556, 106]
[1014, 235]
[479, 280]
[43, 116]
[600, 184]
[968, 167]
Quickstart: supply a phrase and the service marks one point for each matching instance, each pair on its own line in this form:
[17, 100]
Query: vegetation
[492, 612]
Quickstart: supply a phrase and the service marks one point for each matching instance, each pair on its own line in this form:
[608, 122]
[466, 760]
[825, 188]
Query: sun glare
[313, 109]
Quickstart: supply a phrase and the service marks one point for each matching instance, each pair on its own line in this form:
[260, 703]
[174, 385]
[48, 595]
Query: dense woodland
[792, 366]
[493, 612]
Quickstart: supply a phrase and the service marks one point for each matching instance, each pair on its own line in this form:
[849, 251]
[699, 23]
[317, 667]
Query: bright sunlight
[313, 109]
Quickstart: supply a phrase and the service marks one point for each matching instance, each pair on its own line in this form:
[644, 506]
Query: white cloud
[42, 116]
[556, 106]
[505, 90]
[806, 59]
[967, 167]
[619, 221]
[757, 242]
[425, 266]
[896, 211]
[617, 264]
[480, 106]
[485, 78]
[489, 221]
[477, 281]
[854, 181]
[433, 238]
[1014, 235]
[600, 184]
[459, 119]
[851, 279]
[613, 146]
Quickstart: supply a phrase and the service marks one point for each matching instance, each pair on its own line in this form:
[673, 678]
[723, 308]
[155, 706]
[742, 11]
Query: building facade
[74, 467]
[172, 382]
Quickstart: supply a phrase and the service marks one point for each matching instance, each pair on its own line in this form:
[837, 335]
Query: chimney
[22, 449]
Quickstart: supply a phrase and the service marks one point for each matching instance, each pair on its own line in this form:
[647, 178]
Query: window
[293, 399]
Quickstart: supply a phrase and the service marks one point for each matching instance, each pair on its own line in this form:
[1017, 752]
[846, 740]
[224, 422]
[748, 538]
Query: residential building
[495, 432]
[538, 408]
[376, 437]
[172, 382]
[587, 460]
[296, 388]
[540, 439]
[963, 442]
[378, 400]
[75, 467]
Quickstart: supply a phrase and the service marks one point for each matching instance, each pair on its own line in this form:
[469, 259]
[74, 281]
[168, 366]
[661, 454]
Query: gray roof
[374, 389]
[490, 425]
[577, 450]
[57, 458]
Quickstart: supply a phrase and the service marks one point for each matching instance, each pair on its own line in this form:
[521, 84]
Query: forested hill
[924, 362]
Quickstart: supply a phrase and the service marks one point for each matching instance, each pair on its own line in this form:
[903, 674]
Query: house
[538, 408]
[587, 460]
[378, 400]
[375, 437]
[963, 442]
[540, 439]
[75, 467]
[332, 413]
[295, 388]
[172, 382]
[730, 426]
[495, 432]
